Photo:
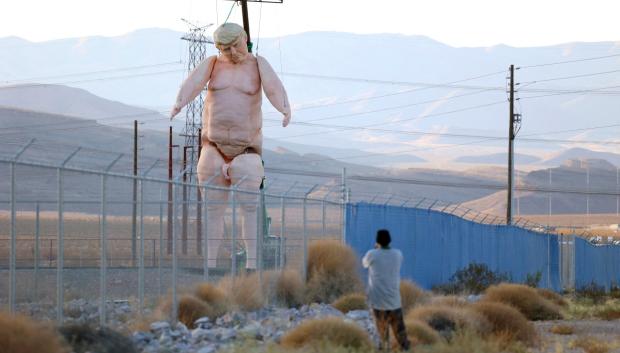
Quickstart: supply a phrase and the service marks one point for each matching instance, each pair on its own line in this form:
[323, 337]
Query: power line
[572, 76]
[86, 73]
[570, 61]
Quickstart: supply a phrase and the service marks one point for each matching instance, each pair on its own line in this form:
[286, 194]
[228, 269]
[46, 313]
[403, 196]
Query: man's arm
[367, 260]
[193, 84]
[274, 90]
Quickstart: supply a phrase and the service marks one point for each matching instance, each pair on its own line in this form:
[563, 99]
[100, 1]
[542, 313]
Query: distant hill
[581, 153]
[497, 158]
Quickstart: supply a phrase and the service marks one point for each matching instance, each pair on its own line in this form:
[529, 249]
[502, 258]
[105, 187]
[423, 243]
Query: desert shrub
[507, 321]
[533, 280]
[19, 334]
[243, 291]
[562, 330]
[84, 338]
[189, 309]
[332, 271]
[590, 344]
[332, 330]
[467, 341]
[474, 278]
[448, 319]
[553, 297]
[608, 312]
[289, 288]
[214, 297]
[449, 300]
[614, 291]
[411, 295]
[351, 301]
[592, 292]
[419, 332]
[525, 299]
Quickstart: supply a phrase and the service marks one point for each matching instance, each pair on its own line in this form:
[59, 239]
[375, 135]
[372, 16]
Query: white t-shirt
[383, 278]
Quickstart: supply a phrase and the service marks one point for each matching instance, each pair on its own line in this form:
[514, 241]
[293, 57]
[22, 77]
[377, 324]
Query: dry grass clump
[525, 299]
[507, 322]
[450, 300]
[352, 301]
[411, 295]
[590, 344]
[333, 330]
[608, 313]
[189, 309]
[448, 319]
[19, 334]
[289, 288]
[553, 297]
[243, 291]
[214, 297]
[332, 271]
[467, 341]
[419, 332]
[86, 339]
[562, 330]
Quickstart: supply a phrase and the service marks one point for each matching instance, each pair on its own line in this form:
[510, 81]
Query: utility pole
[199, 204]
[170, 222]
[513, 128]
[246, 19]
[135, 193]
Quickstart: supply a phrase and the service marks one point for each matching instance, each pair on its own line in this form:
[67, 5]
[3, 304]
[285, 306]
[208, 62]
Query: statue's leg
[247, 170]
[210, 170]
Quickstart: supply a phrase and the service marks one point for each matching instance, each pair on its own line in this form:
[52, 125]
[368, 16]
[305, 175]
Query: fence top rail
[305, 194]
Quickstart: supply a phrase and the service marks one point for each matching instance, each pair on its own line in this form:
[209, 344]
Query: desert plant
[562, 330]
[533, 280]
[411, 295]
[448, 319]
[351, 301]
[507, 322]
[332, 270]
[590, 344]
[474, 278]
[333, 330]
[614, 291]
[525, 299]
[592, 292]
[289, 288]
[214, 297]
[244, 291]
[467, 341]
[19, 334]
[449, 300]
[84, 338]
[608, 312]
[189, 309]
[419, 332]
[553, 297]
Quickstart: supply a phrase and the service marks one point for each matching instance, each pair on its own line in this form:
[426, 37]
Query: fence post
[13, 250]
[12, 261]
[283, 226]
[37, 248]
[141, 251]
[305, 232]
[160, 246]
[174, 254]
[345, 200]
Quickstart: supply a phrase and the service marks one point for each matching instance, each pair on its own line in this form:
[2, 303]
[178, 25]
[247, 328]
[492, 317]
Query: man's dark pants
[394, 319]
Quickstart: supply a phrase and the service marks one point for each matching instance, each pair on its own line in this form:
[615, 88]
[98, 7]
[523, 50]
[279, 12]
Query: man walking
[383, 264]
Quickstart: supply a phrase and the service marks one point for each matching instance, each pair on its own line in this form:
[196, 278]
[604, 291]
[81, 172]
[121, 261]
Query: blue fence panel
[435, 245]
[596, 263]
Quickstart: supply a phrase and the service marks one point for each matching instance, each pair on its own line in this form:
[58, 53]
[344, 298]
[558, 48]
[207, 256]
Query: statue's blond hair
[227, 33]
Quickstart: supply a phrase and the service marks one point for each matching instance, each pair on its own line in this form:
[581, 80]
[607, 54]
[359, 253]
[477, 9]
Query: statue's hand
[286, 119]
[175, 110]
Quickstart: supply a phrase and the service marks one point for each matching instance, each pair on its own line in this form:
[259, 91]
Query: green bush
[592, 292]
[474, 279]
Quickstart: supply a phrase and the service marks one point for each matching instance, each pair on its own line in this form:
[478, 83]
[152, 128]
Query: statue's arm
[274, 90]
[193, 84]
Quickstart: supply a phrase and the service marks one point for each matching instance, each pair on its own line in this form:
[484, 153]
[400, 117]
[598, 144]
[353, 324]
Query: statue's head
[230, 39]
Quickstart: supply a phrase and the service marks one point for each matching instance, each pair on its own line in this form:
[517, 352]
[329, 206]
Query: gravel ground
[602, 331]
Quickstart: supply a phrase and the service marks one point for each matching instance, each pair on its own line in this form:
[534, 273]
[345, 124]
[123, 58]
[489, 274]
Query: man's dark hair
[383, 238]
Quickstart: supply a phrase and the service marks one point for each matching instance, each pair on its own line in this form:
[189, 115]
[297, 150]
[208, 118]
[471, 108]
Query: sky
[458, 23]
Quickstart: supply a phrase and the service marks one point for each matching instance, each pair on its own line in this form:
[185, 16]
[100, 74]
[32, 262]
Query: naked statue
[232, 130]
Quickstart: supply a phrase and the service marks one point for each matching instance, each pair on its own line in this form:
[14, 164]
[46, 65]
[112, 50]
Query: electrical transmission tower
[197, 52]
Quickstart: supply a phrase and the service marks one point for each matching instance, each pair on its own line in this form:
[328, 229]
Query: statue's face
[236, 51]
